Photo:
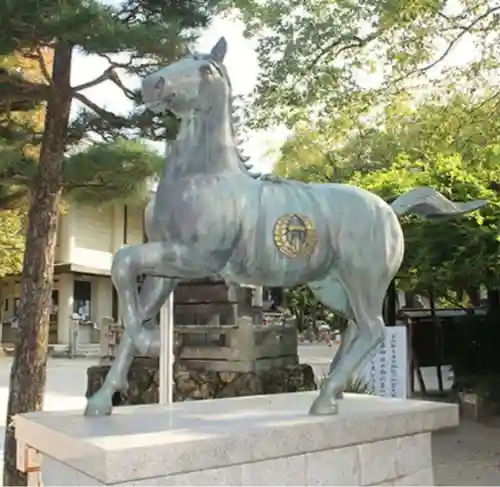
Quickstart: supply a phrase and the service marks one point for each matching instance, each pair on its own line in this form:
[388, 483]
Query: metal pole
[167, 344]
[167, 351]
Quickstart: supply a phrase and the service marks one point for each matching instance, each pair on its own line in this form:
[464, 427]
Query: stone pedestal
[144, 382]
[260, 440]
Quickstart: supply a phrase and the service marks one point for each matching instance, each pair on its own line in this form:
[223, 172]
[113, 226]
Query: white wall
[89, 236]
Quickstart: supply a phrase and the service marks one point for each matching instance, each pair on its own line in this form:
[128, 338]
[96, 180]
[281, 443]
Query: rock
[227, 376]
[300, 378]
[196, 385]
[245, 384]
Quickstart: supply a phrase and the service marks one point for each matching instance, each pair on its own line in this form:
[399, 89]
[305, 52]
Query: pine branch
[106, 75]
[118, 82]
[141, 69]
[112, 119]
[112, 75]
[144, 124]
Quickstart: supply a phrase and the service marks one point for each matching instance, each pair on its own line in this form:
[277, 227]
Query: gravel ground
[467, 455]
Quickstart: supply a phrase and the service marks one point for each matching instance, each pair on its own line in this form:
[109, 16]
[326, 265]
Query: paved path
[468, 455]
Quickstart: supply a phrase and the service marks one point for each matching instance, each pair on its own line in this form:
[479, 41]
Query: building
[88, 236]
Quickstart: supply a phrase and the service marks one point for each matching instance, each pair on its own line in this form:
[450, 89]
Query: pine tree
[15, 118]
[152, 32]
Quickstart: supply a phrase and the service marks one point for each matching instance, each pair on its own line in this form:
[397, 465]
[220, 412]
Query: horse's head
[178, 86]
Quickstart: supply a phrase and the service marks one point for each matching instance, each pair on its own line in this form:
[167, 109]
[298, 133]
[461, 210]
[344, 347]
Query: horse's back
[334, 200]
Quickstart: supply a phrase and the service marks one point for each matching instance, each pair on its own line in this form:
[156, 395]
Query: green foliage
[11, 241]
[322, 59]
[358, 385]
[301, 303]
[355, 385]
[91, 176]
[147, 28]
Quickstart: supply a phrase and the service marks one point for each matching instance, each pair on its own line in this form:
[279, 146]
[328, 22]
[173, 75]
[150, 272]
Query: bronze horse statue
[210, 217]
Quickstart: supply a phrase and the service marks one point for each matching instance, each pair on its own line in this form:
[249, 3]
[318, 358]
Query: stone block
[254, 440]
[424, 477]
[334, 467]
[413, 453]
[213, 477]
[278, 471]
[378, 461]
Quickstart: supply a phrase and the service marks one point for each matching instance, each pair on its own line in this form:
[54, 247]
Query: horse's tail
[429, 203]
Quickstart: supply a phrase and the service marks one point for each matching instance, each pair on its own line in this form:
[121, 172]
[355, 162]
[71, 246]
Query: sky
[241, 63]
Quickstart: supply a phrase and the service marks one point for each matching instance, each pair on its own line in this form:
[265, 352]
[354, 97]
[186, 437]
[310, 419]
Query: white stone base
[260, 440]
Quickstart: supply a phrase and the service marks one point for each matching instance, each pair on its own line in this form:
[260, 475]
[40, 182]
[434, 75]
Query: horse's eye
[207, 70]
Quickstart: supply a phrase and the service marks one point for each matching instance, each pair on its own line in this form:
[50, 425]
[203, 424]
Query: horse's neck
[204, 145]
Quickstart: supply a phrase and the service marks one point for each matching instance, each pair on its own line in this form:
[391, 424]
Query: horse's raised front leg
[366, 303]
[161, 259]
[154, 293]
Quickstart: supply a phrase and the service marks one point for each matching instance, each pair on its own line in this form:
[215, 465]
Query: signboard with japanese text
[387, 372]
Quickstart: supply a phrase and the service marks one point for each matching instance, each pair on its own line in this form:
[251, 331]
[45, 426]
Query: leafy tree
[151, 33]
[321, 58]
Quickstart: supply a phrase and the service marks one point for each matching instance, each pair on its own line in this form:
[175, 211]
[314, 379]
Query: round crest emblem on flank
[294, 235]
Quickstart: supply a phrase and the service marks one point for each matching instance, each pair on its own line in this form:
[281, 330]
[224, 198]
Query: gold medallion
[294, 235]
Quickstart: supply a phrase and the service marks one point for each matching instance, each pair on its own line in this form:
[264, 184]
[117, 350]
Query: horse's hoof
[324, 407]
[339, 395]
[100, 404]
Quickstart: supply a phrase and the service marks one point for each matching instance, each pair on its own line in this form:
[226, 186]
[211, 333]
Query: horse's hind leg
[154, 293]
[331, 293]
[366, 298]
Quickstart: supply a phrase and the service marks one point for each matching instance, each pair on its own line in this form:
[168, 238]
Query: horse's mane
[244, 161]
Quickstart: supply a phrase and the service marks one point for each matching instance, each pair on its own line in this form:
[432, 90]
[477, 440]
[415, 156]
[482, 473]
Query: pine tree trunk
[28, 372]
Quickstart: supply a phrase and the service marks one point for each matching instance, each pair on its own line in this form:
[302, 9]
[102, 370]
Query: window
[82, 291]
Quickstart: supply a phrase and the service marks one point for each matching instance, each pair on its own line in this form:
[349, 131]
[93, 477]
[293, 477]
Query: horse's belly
[277, 274]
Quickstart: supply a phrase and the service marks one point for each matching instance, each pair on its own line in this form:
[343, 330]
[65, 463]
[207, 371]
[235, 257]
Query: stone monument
[211, 218]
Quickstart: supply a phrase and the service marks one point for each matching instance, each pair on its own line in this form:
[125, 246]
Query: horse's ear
[220, 49]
